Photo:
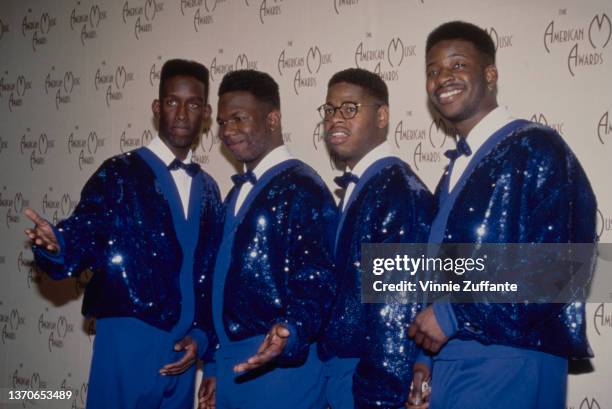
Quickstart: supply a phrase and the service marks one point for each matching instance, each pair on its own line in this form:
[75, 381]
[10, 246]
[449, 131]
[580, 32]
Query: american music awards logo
[143, 15]
[221, 65]
[36, 148]
[63, 84]
[542, 120]
[201, 155]
[79, 392]
[57, 206]
[113, 81]
[500, 39]
[383, 58]
[55, 330]
[588, 402]
[39, 26]
[128, 142]
[88, 20]
[84, 147]
[302, 65]
[25, 381]
[14, 205]
[204, 10]
[405, 134]
[155, 72]
[586, 42]
[604, 128]
[14, 90]
[269, 9]
[10, 324]
[318, 142]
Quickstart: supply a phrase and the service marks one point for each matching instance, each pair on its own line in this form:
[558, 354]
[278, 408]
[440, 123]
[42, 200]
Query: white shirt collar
[381, 151]
[159, 148]
[487, 126]
[273, 158]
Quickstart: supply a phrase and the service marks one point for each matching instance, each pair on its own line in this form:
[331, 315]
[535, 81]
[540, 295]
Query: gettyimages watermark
[487, 273]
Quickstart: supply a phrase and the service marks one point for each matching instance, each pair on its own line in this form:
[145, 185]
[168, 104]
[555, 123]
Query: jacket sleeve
[560, 207]
[83, 235]
[211, 230]
[384, 372]
[309, 270]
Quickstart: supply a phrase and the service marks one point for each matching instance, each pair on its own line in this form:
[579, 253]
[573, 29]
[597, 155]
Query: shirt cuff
[424, 359]
[58, 257]
[445, 316]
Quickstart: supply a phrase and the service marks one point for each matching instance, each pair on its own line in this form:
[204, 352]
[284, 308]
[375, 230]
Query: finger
[419, 337]
[282, 331]
[255, 361]
[33, 216]
[264, 345]
[435, 346]
[412, 330]
[417, 391]
[179, 366]
[427, 342]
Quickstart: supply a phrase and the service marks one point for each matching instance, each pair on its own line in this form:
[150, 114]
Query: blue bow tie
[462, 149]
[346, 178]
[240, 179]
[192, 169]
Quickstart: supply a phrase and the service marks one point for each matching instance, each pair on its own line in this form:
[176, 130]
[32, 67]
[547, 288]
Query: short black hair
[370, 82]
[259, 84]
[172, 68]
[460, 30]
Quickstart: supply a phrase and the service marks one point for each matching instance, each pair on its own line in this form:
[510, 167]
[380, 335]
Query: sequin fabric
[530, 188]
[390, 206]
[281, 268]
[122, 230]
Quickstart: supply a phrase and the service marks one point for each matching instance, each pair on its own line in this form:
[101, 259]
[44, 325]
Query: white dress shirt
[487, 126]
[181, 179]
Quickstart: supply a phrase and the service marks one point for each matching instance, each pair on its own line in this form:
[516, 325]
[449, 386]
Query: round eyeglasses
[348, 110]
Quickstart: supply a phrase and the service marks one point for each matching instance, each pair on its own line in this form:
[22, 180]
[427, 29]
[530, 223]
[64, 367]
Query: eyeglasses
[348, 110]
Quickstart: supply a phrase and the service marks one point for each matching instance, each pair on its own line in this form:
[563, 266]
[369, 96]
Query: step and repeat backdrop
[77, 78]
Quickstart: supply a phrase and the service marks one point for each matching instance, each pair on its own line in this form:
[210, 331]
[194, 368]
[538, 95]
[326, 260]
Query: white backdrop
[77, 78]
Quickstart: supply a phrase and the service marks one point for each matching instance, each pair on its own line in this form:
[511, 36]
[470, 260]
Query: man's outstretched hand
[271, 347]
[190, 346]
[42, 234]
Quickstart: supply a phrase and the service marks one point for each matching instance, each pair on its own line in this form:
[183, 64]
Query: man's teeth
[448, 94]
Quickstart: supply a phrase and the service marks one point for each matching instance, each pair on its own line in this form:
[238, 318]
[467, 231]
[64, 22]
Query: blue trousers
[532, 380]
[127, 356]
[269, 388]
[338, 379]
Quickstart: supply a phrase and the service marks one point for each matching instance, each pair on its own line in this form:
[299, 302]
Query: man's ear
[273, 120]
[382, 116]
[155, 107]
[490, 72]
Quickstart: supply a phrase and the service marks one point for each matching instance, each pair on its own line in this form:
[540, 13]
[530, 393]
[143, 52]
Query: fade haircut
[173, 68]
[460, 30]
[372, 84]
[259, 84]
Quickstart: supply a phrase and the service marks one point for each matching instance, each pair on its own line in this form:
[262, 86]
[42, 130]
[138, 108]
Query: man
[148, 226]
[366, 352]
[509, 181]
[273, 278]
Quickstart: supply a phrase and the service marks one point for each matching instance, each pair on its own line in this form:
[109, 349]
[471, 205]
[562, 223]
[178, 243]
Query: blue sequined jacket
[530, 189]
[123, 231]
[280, 265]
[389, 205]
